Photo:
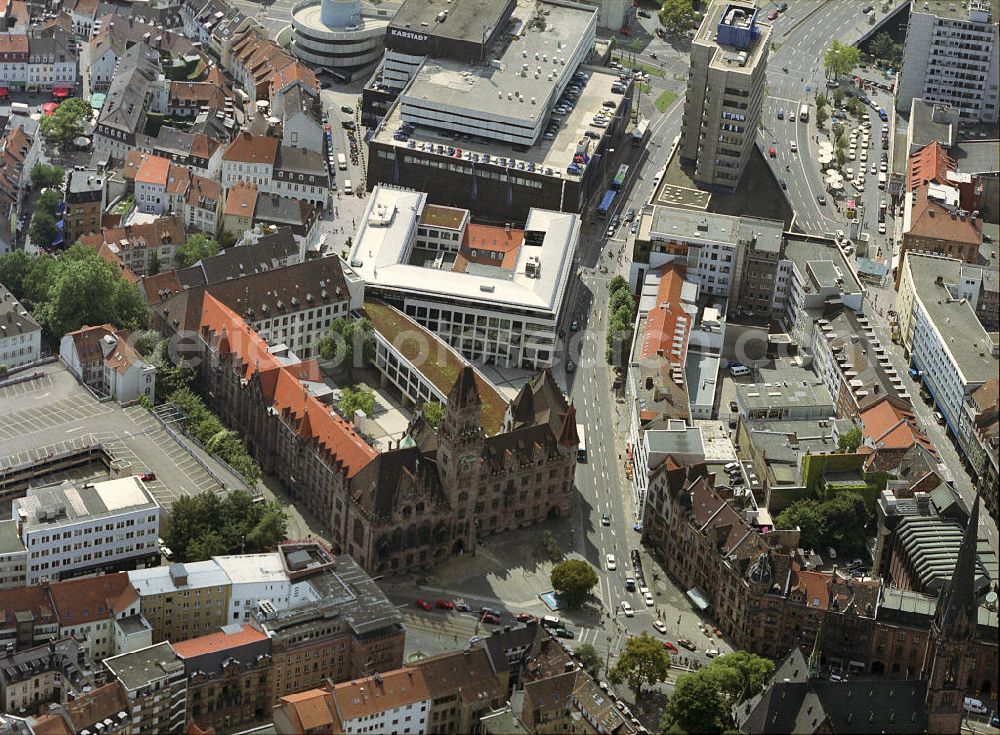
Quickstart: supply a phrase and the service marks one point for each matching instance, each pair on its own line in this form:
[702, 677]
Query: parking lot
[53, 414]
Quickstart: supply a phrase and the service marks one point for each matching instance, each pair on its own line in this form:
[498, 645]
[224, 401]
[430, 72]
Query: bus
[640, 132]
[619, 180]
[606, 202]
[581, 451]
[804, 112]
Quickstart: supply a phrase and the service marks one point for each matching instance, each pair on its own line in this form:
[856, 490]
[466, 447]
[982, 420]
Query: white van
[550, 621]
[347, 187]
[881, 179]
[738, 371]
[19, 108]
[341, 162]
[975, 706]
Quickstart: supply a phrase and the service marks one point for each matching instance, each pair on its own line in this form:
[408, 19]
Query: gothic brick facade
[405, 508]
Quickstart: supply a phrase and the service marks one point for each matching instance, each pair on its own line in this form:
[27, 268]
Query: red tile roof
[933, 220]
[486, 240]
[84, 600]
[248, 148]
[294, 72]
[814, 587]
[231, 335]
[153, 170]
[397, 689]
[13, 43]
[240, 200]
[218, 641]
[311, 710]
[664, 319]
[161, 286]
[930, 163]
[889, 426]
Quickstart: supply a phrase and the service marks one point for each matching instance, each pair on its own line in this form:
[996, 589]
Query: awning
[4, 92]
[698, 598]
[61, 91]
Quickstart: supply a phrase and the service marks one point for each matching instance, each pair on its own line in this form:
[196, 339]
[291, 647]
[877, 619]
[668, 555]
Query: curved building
[339, 35]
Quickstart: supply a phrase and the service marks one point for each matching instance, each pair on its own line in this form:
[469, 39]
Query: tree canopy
[840, 59]
[644, 661]
[204, 426]
[838, 522]
[357, 398]
[703, 701]
[208, 524]
[348, 342]
[885, 49]
[433, 413]
[42, 230]
[197, 247]
[66, 121]
[848, 442]
[677, 16]
[621, 321]
[572, 581]
[78, 287]
[44, 175]
[589, 657]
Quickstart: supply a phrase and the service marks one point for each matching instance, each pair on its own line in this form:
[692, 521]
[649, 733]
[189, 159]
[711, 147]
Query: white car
[850, 172]
[852, 154]
[881, 228]
[874, 169]
[612, 564]
[660, 626]
[627, 609]
[648, 597]
[793, 146]
[712, 652]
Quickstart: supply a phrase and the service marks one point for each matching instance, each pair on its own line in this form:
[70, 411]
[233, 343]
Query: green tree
[42, 229]
[621, 297]
[885, 49]
[208, 524]
[616, 284]
[644, 661]
[840, 59]
[841, 157]
[838, 96]
[66, 122]
[740, 675]
[15, 267]
[206, 546]
[808, 518]
[197, 247]
[590, 658]
[821, 116]
[145, 342]
[677, 16]
[355, 399]
[43, 176]
[348, 342]
[848, 442]
[170, 377]
[89, 290]
[433, 413]
[838, 522]
[572, 581]
[821, 100]
[697, 706]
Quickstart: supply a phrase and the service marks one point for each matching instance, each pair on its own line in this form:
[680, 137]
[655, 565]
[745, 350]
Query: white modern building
[508, 99]
[255, 579]
[341, 35]
[495, 294]
[939, 328]
[952, 56]
[70, 531]
[20, 334]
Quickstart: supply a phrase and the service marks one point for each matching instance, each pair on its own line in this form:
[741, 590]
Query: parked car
[564, 633]
[524, 617]
[627, 609]
[444, 604]
[670, 646]
[685, 643]
[660, 626]
[423, 604]
[490, 618]
[147, 476]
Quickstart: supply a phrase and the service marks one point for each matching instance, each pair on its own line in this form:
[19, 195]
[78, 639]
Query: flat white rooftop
[385, 241]
[67, 504]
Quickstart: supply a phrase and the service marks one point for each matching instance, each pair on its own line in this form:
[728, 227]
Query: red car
[772, 15]
[524, 617]
[670, 646]
[147, 476]
[686, 643]
[772, 152]
[491, 618]
[423, 604]
[445, 604]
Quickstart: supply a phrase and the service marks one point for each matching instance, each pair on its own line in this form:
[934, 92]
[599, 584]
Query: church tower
[460, 443]
[951, 651]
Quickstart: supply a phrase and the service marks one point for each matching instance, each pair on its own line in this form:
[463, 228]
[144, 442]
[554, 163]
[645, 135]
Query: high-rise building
[952, 53]
[724, 94]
